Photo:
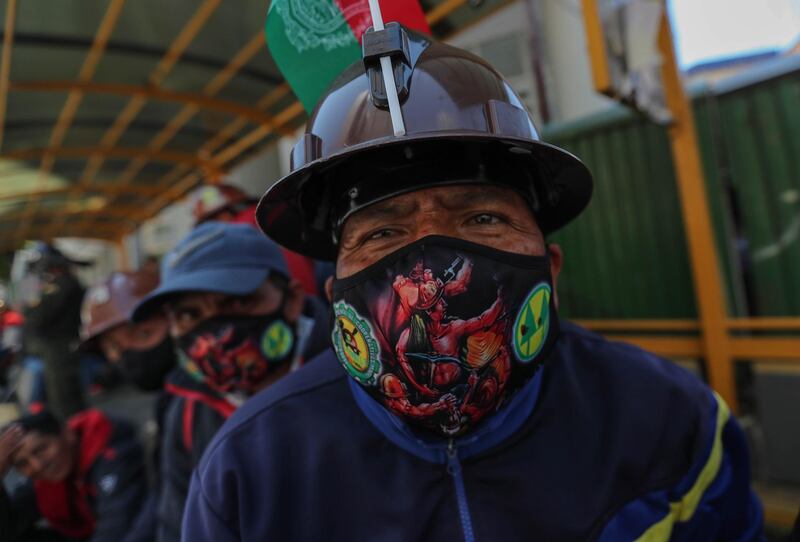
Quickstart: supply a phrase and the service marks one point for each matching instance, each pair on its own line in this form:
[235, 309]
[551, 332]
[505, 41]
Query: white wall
[102, 255]
[564, 55]
[254, 176]
[503, 40]
[258, 173]
[160, 234]
[567, 56]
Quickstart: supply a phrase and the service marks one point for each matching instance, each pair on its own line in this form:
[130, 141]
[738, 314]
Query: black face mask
[236, 354]
[147, 369]
[443, 332]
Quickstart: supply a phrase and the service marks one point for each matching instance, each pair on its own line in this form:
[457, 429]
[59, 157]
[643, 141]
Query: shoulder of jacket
[317, 375]
[622, 365]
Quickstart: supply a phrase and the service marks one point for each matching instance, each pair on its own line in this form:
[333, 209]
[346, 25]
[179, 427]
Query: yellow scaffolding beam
[715, 342]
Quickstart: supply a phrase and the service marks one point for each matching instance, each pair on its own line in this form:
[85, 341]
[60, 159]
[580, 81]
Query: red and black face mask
[236, 354]
[442, 332]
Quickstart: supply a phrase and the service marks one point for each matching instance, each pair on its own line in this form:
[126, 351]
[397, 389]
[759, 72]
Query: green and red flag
[313, 41]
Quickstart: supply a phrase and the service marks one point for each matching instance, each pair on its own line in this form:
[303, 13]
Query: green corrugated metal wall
[750, 136]
[626, 256]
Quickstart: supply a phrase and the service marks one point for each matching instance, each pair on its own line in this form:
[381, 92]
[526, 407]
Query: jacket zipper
[454, 470]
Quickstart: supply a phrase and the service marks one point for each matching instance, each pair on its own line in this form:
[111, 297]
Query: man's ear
[329, 289]
[296, 298]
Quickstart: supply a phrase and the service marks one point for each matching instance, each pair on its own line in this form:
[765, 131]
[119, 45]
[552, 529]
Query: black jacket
[146, 524]
[194, 417]
[56, 315]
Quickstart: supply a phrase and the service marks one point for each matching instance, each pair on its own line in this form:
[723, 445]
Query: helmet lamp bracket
[390, 42]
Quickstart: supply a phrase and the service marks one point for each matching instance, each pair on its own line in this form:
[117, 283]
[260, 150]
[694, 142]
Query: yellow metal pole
[694, 204]
[598, 56]
[716, 344]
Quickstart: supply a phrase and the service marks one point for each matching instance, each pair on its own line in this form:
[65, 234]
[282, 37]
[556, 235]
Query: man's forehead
[116, 331]
[32, 439]
[187, 299]
[455, 197]
[194, 298]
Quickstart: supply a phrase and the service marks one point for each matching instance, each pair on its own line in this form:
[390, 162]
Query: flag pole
[388, 75]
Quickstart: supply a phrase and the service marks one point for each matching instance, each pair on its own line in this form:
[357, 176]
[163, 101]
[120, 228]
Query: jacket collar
[491, 432]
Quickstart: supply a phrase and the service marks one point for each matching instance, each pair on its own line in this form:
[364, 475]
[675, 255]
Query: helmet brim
[303, 210]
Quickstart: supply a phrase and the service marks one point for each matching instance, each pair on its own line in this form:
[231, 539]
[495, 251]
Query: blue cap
[218, 257]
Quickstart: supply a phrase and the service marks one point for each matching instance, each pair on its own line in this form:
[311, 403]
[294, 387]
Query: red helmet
[212, 200]
[463, 124]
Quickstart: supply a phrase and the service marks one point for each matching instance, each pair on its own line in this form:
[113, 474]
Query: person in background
[228, 203]
[151, 265]
[144, 353]
[52, 319]
[84, 477]
[239, 324]
[10, 335]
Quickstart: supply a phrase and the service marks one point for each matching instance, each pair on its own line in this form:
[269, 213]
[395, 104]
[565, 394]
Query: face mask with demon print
[443, 332]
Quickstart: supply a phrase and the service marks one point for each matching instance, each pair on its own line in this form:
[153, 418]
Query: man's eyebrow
[477, 196]
[188, 302]
[385, 210]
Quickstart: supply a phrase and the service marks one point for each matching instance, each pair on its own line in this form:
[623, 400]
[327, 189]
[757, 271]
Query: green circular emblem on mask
[277, 340]
[532, 323]
[355, 344]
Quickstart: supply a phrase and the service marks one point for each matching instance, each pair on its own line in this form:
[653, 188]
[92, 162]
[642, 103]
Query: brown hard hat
[464, 124]
[110, 303]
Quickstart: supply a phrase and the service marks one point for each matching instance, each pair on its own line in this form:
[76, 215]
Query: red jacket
[101, 497]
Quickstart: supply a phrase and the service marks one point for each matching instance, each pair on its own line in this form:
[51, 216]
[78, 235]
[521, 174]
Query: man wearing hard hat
[453, 403]
[145, 355]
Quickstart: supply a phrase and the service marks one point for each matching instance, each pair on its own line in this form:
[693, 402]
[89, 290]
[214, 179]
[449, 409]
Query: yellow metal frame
[697, 222]
[684, 340]
[189, 179]
[249, 126]
[715, 343]
[722, 341]
[598, 54]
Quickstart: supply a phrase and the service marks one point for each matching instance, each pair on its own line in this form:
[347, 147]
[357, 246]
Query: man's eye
[237, 303]
[187, 315]
[380, 234]
[485, 219]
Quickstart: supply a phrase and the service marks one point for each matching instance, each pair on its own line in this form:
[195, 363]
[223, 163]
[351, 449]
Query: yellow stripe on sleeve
[683, 510]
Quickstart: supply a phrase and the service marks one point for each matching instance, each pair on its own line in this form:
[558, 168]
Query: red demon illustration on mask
[444, 337]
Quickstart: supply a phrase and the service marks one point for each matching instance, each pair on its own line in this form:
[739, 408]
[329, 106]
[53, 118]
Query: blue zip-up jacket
[607, 442]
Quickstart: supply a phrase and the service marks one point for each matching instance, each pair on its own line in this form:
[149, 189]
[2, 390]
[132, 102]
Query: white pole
[388, 75]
